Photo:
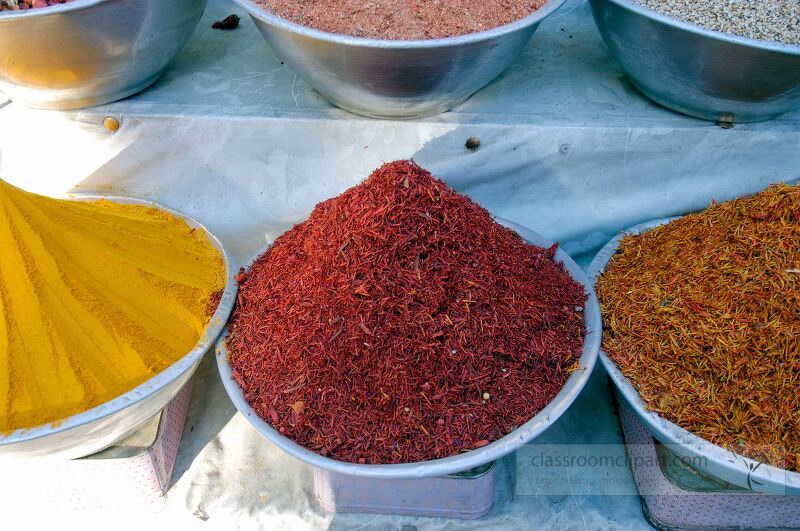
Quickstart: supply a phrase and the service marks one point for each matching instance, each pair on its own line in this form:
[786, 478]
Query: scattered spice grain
[402, 19]
[373, 331]
[703, 317]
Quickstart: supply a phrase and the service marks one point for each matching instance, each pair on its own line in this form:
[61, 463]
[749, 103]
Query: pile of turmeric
[95, 299]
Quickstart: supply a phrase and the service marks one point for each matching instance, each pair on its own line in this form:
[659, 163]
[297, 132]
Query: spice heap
[703, 317]
[765, 20]
[22, 5]
[402, 19]
[400, 323]
[95, 299]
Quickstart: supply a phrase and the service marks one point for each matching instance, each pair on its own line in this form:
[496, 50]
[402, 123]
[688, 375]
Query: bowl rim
[729, 38]
[215, 326]
[759, 476]
[260, 13]
[510, 442]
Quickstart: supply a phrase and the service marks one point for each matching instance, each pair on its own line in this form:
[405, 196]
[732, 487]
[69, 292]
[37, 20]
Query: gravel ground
[765, 20]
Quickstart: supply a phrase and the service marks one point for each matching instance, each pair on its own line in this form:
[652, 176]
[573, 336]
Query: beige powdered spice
[402, 19]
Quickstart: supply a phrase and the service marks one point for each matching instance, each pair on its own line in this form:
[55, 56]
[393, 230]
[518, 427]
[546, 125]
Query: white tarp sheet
[231, 137]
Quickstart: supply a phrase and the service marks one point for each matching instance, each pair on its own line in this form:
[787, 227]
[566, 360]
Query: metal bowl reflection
[393, 78]
[89, 52]
[695, 71]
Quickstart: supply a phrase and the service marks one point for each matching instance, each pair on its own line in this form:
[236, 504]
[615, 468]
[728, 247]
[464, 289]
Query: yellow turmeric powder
[95, 299]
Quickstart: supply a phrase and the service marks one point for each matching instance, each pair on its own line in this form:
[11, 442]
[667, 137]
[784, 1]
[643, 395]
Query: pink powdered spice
[22, 5]
[402, 19]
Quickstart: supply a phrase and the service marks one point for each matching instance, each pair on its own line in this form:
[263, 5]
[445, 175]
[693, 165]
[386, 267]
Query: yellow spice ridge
[95, 299]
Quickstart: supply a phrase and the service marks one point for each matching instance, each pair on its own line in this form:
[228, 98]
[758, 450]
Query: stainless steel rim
[215, 326]
[711, 34]
[335, 38]
[457, 463]
[763, 477]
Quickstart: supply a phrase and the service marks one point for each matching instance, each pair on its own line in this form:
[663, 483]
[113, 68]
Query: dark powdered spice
[400, 323]
[402, 19]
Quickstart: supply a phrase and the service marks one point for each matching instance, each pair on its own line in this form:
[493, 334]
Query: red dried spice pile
[22, 5]
[402, 19]
[400, 323]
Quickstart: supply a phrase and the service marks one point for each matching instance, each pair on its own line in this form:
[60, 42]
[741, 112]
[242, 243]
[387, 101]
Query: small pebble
[406, 410]
[765, 20]
[473, 143]
[486, 396]
[111, 123]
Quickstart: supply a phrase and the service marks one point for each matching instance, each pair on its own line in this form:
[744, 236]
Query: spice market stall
[561, 143]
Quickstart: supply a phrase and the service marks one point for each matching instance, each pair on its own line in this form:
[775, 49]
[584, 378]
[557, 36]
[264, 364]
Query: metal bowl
[709, 458]
[699, 72]
[393, 78]
[461, 462]
[89, 52]
[100, 427]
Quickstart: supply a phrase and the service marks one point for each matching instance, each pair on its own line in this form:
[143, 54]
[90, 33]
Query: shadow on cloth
[210, 410]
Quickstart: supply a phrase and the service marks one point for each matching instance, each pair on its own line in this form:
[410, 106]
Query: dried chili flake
[703, 316]
[213, 303]
[390, 312]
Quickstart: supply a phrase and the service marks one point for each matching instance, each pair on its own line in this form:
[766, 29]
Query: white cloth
[231, 137]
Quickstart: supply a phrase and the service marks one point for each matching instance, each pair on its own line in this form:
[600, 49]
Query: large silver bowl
[100, 427]
[474, 458]
[392, 78]
[709, 458]
[89, 52]
[695, 71]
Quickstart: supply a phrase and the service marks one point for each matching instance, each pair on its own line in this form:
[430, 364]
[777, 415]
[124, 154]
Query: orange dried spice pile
[702, 315]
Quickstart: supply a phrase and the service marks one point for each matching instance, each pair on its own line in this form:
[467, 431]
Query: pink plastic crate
[135, 472]
[465, 496]
[712, 504]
